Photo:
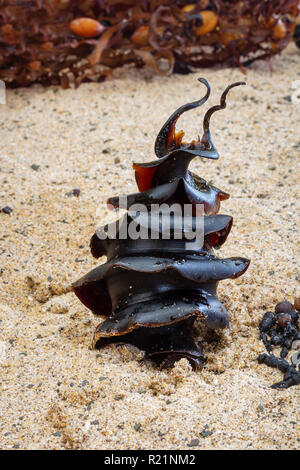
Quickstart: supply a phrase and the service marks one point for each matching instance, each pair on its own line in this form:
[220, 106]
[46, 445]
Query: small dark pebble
[35, 167]
[75, 192]
[6, 210]
[137, 426]
[57, 434]
[206, 432]
[94, 423]
[117, 160]
[283, 307]
[106, 151]
[194, 443]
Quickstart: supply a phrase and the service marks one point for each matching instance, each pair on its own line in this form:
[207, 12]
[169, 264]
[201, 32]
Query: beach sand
[56, 393]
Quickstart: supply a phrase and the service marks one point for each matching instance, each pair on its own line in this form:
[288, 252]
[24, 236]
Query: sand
[56, 393]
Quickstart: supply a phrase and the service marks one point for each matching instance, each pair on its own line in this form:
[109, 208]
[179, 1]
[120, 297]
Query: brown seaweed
[59, 42]
[152, 289]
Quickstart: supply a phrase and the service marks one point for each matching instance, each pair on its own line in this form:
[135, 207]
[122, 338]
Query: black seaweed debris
[6, 210]
[280, 328]
[73, 41]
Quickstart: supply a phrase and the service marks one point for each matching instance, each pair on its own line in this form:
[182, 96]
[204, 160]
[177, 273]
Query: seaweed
[73, 41]
[279, 328]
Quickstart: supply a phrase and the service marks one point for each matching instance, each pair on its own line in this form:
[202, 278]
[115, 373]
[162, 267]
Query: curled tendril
[166, 141]
[206, 139]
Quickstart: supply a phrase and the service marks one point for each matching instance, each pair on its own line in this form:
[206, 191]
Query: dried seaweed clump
[280, 328]
[53, 41]
[157, 282]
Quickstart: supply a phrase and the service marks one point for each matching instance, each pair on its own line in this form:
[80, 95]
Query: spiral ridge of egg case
[151, 290]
